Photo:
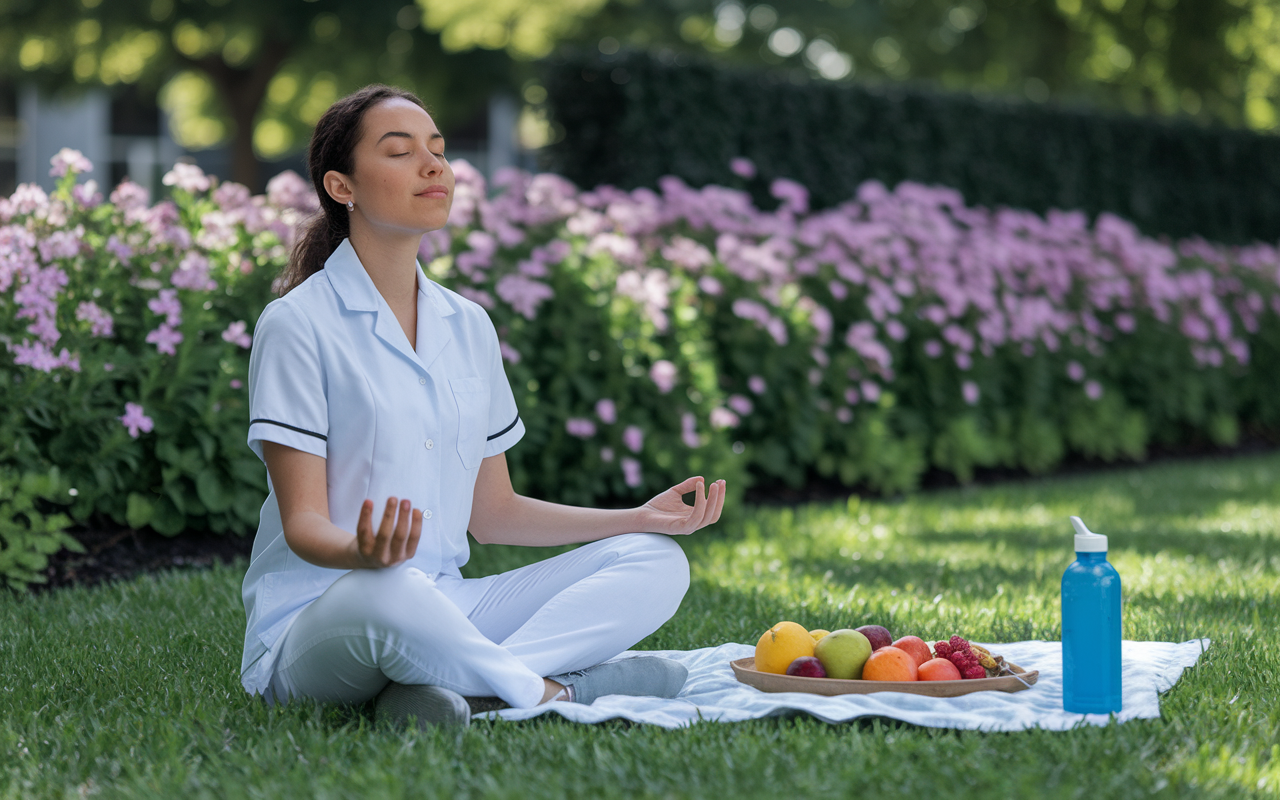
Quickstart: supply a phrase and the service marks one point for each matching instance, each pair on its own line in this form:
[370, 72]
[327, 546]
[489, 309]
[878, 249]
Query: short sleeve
[505, 426]
[287, 402]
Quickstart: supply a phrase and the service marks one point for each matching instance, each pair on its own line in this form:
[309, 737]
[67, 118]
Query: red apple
[915, 647]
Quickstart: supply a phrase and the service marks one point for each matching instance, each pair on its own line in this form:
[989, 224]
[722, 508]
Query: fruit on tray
[792, 649]
[958, 652]
[807, 667]
[890, 664]
[915, 647]
[843, 653]
[877, 635]
[782, 644]
[938, 669]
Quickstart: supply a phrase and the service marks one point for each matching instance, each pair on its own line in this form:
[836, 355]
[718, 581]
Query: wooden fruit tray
[745, 671]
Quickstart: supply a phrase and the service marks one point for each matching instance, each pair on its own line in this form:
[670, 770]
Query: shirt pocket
[472, 397]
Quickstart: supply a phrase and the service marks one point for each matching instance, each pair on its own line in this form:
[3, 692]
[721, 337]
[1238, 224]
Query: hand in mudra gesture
[394, 542]
[668, 513]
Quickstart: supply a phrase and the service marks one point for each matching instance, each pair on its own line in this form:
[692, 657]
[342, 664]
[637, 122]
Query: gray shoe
[641, 676]
[432, 705]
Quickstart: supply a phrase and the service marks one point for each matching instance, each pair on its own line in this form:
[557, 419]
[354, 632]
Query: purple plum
[807, 667]
[877, 635]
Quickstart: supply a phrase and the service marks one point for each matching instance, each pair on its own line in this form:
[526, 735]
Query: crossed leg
[564, 613]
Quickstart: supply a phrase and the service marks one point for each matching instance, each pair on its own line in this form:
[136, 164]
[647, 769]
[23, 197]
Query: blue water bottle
[1090, 628]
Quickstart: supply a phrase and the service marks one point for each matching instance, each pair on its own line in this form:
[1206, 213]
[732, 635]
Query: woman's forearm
[537, 523]
[318, 541]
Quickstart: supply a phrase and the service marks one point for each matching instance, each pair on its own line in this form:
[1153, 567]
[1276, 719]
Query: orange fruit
[890, 664]
[915, 647]
[939, 669]
[782, 644]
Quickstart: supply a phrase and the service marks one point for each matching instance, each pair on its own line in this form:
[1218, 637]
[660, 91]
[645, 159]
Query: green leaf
[140, 511]
[167, 519]
[209, 490]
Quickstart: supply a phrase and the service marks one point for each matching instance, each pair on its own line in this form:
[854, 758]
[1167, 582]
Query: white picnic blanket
[713, 693]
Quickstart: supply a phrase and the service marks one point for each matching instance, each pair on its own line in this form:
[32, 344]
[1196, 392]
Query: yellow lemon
[817, 634]
[782, 644]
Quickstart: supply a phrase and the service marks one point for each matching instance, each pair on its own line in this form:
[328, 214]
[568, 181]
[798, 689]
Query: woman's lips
[436, 192]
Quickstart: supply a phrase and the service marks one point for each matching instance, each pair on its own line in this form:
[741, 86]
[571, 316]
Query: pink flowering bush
[649, 335]
[125, 324]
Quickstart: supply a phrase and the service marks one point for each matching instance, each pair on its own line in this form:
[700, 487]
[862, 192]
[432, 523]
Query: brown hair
[332, 147]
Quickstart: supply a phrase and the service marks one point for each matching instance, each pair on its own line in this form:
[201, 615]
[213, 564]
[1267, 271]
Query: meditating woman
[371, 385]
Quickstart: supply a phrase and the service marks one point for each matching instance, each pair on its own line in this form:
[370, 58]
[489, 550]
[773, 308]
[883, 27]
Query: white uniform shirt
[332, 373]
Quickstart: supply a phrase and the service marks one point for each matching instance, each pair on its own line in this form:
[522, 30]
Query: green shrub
[29, 536]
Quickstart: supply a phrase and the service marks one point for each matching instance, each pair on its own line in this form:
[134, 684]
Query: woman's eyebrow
[432, 137]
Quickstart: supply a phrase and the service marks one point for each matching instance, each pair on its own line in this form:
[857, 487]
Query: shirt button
[422, 381]
[426, 514]
[429, 444]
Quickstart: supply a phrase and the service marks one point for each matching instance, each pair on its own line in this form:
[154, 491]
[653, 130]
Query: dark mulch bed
[112, 553]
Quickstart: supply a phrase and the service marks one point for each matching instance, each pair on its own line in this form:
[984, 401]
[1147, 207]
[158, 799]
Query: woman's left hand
[668, 513]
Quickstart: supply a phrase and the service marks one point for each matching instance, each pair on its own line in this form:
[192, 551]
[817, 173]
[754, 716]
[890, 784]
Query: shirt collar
[355, 288]
[352, 283]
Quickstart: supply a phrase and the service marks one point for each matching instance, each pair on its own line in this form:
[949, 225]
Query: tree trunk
[242, 91]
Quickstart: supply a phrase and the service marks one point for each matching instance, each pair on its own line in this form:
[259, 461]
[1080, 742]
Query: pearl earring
[350, 205]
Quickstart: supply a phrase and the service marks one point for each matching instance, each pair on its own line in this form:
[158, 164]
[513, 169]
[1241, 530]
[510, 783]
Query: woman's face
[402, 181]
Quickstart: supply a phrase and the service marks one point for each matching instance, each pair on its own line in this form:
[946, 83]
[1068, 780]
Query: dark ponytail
[332, 147]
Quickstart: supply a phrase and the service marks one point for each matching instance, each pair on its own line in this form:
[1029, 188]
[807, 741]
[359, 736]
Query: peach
[915, 647]
[890, 664]
[939, 669]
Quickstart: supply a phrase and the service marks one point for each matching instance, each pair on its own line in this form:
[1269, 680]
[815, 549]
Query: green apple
[843, 653]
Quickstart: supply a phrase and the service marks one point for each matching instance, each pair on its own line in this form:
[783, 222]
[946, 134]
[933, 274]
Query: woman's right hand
[395, 541]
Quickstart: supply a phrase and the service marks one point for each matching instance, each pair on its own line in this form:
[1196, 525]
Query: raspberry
[961, 660]
[959, 644]
[975, 670]
[942, 650]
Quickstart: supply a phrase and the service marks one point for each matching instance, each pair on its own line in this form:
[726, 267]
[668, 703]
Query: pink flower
[478, 296]
[1075, 371]
[236, 383]
[969, 390]
[509, 353]
[743, 167]
[756, 384]
[933, 348]
[723, 418]
[168, 305]
[236, 335]
[522, 293]
[100, 321]
[844, 414]
[631, 471]
[1093, 389]
[66, 160]
[581, 427]
[164, 338]
[289, 190]
[108, 366]
[606, 411]
[871, 391]
[633, 438]
[187, 177]
[135, 420]
[740, 403]
[193, 273]
[794, 196]
[710, 285]
[663, 373]
[688, 430]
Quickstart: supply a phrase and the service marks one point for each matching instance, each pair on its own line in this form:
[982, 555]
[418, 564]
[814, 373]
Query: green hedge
[632, 119]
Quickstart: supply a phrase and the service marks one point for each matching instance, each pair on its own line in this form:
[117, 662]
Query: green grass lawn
[132, 689]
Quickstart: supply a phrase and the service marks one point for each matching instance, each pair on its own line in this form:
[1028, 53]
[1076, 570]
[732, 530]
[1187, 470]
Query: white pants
[568, 612]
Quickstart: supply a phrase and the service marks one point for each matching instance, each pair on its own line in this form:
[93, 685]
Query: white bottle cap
[1086, 540]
